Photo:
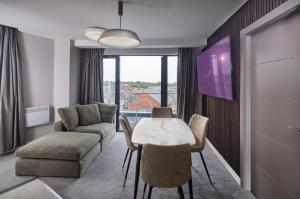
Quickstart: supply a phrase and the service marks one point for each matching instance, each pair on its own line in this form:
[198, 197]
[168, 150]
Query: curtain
[186, 83]
[91, 75]
[12, 119]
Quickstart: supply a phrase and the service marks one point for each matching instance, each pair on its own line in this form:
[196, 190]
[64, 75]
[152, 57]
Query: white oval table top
[162, 131]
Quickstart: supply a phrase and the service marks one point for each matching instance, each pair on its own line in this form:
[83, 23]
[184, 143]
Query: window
[109, 76]
[172, 83]
[139, 83]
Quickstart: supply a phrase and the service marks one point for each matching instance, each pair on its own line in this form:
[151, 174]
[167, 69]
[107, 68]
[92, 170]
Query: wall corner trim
[224, 162]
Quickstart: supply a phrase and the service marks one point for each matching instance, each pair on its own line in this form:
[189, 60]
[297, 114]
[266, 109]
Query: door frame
[245, 84]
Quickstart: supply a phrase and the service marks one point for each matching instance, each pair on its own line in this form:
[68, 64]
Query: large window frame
[164, 82]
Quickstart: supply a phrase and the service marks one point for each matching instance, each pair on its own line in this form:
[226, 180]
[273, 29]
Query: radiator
[35, 116]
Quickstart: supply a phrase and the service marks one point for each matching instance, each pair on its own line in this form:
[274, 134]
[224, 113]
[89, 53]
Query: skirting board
[227, 166]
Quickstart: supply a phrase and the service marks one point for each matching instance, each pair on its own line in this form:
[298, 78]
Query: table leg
[137, 170]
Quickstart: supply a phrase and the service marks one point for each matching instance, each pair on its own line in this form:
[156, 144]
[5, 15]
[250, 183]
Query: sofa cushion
[88, 114]
[107, 111]
[60, 146]
[69, 117]
[102, 129]
[32, 189]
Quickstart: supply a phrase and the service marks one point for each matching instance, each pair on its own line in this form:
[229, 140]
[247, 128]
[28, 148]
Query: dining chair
[131, 147]
[199, 125]
[162, 112]
[166, 167]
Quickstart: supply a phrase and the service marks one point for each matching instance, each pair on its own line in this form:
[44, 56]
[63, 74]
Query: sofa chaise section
[58, 154]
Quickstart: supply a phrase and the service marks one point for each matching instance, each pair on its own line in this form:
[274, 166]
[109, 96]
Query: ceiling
[159, 23]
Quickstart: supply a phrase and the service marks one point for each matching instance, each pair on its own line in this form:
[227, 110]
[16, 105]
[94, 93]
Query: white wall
[141, 51]
[37, 62]
[66, 74]
[61, 84]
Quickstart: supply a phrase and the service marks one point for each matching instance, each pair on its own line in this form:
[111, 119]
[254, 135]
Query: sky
[140, 68]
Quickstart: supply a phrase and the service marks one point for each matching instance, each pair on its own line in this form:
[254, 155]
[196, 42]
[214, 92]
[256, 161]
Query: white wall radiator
[35, 116]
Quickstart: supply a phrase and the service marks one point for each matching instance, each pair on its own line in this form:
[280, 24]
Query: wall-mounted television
[214, 70]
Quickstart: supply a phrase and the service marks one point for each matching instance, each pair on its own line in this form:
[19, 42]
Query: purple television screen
[214, 70]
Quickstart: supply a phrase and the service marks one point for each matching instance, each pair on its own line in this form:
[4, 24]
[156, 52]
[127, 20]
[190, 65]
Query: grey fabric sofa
[76, 141]
[35, 189]
[105, 128]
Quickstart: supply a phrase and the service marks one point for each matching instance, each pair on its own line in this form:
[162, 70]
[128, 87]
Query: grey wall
[37, 60]
[198, 101]
[74, 74]
[61, 94]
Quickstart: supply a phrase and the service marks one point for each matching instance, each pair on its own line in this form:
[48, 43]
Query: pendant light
[93, 33]
[119, 38]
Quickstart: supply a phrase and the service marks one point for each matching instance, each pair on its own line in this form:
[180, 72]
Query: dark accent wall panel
[224, 129]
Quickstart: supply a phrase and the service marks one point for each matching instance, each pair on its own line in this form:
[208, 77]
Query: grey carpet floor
[104, 178]
[8, 179]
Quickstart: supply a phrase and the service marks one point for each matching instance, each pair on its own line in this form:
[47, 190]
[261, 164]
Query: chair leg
[150, 192]
[145, 188]
[191, 188]
[128, 165]
[125, 158]
[205, 167]
[180, 192]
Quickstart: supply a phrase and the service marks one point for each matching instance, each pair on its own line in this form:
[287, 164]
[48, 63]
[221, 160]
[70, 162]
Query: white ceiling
[159, 23]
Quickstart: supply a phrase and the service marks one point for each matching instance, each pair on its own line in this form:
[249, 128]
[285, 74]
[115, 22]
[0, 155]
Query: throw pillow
[88, 114]
[107, 111]
[69, 117]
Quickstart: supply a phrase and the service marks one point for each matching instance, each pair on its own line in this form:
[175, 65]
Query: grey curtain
[186, 83]
[12, 124]
[91, 75]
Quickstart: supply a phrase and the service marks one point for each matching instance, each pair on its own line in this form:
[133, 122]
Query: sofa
[86, 119]
[82, 133]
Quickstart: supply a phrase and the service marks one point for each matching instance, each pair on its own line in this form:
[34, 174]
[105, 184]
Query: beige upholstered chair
[162, 112]
[128, 133]
[166, 167]
[199, 125]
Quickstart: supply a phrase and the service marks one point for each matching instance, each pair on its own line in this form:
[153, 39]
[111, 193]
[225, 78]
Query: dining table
[159, 131]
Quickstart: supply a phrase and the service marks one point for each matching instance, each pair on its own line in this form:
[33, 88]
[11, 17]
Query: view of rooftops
[140, 86]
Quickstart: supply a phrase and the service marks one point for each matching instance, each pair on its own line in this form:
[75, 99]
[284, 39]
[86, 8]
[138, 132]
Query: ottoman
[58, 154]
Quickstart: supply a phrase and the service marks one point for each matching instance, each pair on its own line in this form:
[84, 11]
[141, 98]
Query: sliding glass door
[109, 80]
[139, 83]
[172, 83]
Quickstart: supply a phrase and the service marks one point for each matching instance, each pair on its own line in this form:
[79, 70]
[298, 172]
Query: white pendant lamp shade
[119, 38]
[114, 38]
[93, 33]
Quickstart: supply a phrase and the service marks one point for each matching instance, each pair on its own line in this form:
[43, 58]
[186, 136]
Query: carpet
[8, 179]
[104, 178]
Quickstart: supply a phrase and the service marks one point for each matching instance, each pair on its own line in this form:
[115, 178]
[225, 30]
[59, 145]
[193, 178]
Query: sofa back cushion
[69, 117]
[107, 111]
[89, 114]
